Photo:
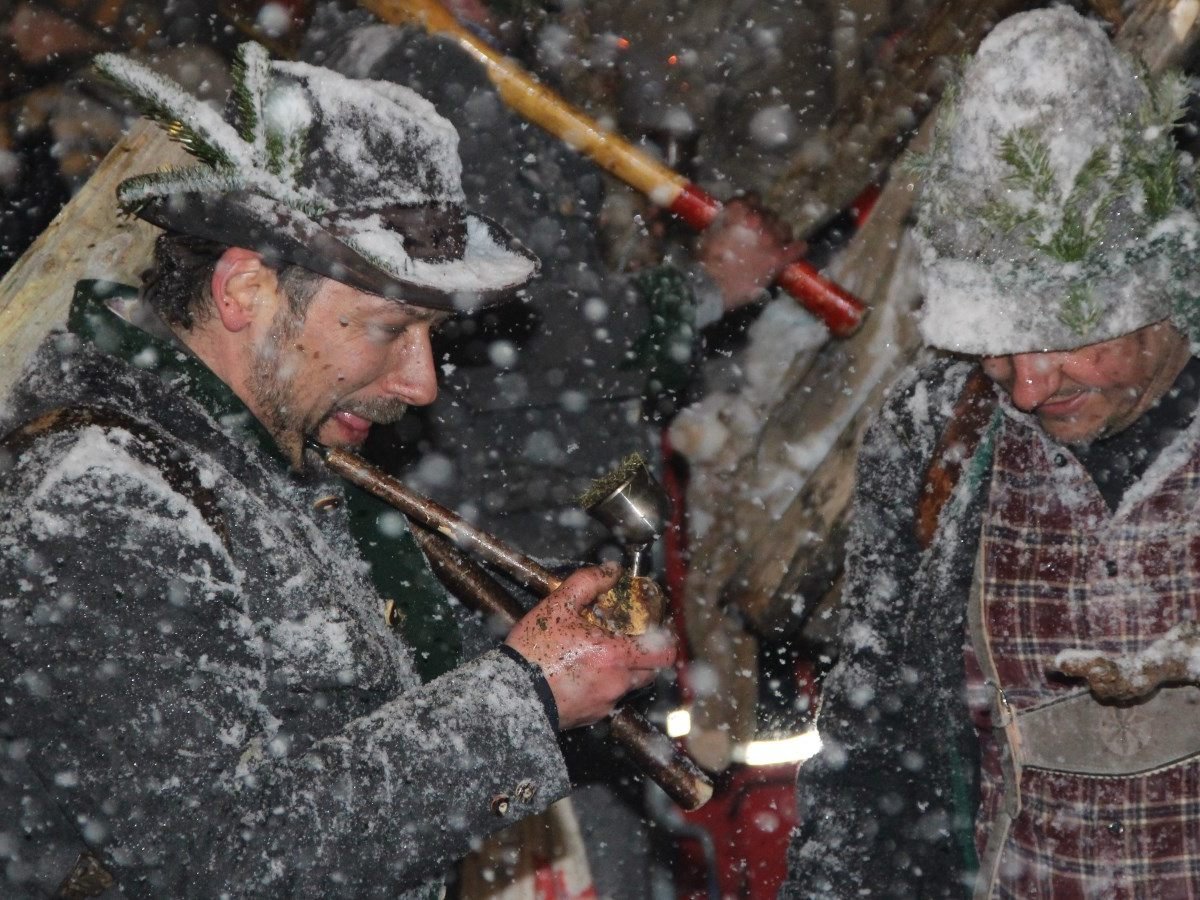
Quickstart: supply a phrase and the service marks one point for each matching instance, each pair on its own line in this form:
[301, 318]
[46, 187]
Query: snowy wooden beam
[89, 238]
[1162, 32]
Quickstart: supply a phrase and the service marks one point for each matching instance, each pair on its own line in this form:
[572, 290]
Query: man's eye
[388, 331]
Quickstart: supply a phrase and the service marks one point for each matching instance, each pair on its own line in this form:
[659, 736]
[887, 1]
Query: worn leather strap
[964, 431]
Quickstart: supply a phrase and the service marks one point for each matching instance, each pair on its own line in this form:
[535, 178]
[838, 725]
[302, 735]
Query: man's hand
[744, 250]
[588, 668]
[1172, 659]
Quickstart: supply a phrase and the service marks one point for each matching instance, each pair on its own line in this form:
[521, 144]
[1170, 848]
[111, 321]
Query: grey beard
[272, 393]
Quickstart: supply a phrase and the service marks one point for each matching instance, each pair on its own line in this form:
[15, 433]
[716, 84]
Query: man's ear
[243, 289]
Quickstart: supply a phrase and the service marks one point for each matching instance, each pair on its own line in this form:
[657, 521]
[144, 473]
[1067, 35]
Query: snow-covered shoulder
[70, 479]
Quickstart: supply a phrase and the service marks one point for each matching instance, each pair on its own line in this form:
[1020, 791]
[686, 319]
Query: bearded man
[209, 680]
[1025, 517]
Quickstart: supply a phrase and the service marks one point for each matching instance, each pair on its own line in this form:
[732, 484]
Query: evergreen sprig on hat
[259, 153]
[1056, 208]
[357, 180]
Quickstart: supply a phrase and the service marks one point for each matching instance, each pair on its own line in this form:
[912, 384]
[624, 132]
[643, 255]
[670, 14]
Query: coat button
[1060, 459]
[525, 792]
[333, 501]
[500, 805]
[1111, 567]
[393, 614]
[1116, 828]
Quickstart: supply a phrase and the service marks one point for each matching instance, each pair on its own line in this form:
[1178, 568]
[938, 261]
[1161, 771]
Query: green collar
[100, 315]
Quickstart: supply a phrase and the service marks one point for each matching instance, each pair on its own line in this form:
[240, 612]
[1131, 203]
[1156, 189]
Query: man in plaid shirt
[1027, 515]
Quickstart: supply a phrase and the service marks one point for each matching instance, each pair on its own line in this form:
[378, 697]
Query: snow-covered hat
[1056, 211]
[356, 180]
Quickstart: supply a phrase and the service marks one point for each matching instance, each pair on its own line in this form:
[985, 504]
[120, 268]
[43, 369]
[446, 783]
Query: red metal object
[750, 818]
[697, 208]
[840, 310]
[863, 204]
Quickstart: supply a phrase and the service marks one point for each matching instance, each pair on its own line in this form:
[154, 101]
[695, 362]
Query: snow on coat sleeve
[874, 818]
[138, 686]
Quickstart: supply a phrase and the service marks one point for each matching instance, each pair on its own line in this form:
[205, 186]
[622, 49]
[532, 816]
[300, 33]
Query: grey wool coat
[887, 808]
[197, 682]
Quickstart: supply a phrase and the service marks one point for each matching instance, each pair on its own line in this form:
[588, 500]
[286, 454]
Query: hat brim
[967, 310]
[493, 266]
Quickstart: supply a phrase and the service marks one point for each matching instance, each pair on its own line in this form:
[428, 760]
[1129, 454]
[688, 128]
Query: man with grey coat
[208, 676]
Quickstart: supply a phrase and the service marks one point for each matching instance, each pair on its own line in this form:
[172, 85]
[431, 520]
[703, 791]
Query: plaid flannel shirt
[1061, 571]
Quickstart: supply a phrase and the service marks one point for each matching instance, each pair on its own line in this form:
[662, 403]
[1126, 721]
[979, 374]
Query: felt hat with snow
[356, 180]
[1056, 210]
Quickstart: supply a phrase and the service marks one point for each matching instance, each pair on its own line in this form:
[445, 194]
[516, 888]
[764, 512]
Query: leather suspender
[964, 431]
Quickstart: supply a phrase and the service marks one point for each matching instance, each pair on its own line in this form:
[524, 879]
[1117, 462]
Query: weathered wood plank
[89, 238]
[851, 377]
[1162, 32]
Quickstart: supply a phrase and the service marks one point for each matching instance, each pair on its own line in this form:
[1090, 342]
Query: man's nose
[1036, 378]
[412, 376]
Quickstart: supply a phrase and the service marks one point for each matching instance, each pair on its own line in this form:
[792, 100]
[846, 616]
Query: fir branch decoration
[1080, 310]
[251, 72]
[1081, 229]
[924, 167]
[1158, 175]
[198, 128]
[287, 122]
[135, 191]
[1029, 158]
[1096, 168]
[1168, 99]
[235, 159]
[1005, 218]
[1071, 241]
[1153, 161]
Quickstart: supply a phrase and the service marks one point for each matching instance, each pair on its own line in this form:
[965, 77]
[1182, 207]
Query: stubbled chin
[1075, 433]
[292, 447]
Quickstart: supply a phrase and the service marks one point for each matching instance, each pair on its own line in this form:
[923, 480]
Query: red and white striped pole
[840, 310]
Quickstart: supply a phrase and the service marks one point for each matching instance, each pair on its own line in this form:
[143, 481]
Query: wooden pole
[89, 238]
[835, 306]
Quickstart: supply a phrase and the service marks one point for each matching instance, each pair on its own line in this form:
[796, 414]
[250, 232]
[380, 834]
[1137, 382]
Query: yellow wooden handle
[539, 104]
